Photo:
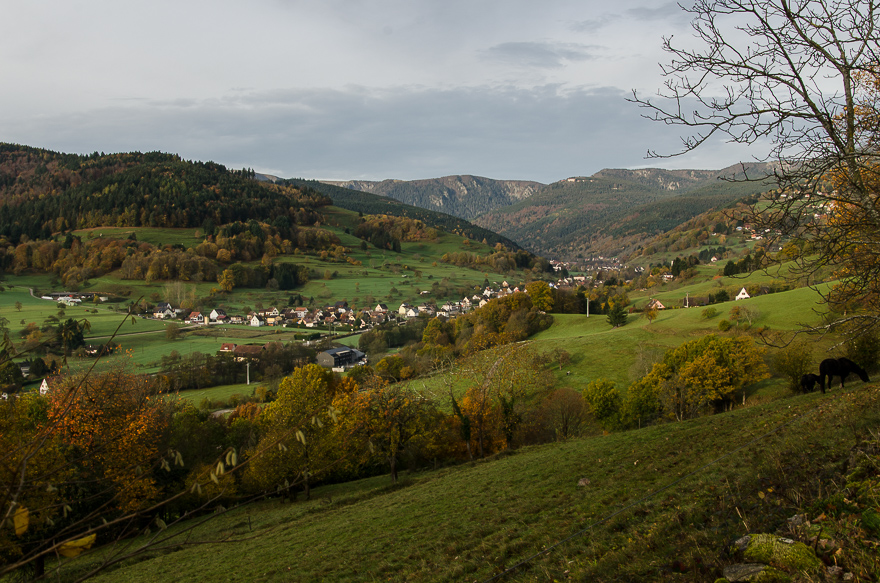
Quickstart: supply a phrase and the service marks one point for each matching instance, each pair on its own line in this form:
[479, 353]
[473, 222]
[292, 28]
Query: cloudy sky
[346, 89]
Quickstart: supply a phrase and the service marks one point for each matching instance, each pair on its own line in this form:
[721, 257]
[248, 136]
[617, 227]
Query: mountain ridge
[463, 195]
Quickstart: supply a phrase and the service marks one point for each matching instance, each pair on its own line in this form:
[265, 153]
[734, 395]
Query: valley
[534, 398]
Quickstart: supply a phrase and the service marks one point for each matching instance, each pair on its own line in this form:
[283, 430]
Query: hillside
[51, 203]
[658, 504]
[374, 204]
[464, 196]
[44, 193]
[614, 211]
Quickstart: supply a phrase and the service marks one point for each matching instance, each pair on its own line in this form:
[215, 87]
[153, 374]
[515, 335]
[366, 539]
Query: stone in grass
[783, 553]
[753, 573]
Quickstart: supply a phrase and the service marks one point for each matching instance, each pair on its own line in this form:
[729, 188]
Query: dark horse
[839, 367]
[808, 382]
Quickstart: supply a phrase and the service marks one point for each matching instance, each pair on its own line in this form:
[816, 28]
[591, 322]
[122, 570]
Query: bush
[724, 325]
[793, 362]
[708, 313]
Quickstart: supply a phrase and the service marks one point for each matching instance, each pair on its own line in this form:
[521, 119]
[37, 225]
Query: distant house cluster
[73, 298]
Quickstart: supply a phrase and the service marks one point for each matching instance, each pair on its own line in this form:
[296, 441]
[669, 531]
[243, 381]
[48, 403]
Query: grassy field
[657, 504]
[222, 393]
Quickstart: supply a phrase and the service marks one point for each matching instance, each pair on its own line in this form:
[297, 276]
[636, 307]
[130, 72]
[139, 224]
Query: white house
[743, 294]
[195, 318]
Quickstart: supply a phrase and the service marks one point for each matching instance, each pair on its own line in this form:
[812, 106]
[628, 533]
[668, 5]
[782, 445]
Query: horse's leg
[822, 382]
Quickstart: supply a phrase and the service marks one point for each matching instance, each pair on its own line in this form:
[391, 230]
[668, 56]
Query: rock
[743, 543]
[584, 482]
[754, 573]
[834, 572]
[782, 553]
[797, 520]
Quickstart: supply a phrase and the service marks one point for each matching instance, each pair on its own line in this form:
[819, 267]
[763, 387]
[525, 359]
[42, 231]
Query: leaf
[282, 447]
[21, 519]
[75, 547]
[300, 436]
[761, 495]
[221, 469]
[178, 459]
[231, 458]
[161, 523]
[214, 478]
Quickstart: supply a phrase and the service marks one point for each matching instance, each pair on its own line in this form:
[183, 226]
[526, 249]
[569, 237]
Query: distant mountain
[615, 209]
[376, 204]
[461, 196]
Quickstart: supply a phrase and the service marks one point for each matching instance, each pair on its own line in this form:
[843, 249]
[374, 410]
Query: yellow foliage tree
[702, 373]
[296, 446]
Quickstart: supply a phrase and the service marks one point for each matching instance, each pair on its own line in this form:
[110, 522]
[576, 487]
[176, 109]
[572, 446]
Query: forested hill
[616, 210]
[43, 193]
[374, 204]
[463, 196]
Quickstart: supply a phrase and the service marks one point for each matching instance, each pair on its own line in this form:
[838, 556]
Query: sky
[345, 89]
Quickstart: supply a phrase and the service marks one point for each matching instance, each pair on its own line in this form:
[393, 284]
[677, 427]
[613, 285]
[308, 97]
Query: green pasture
[221, 393]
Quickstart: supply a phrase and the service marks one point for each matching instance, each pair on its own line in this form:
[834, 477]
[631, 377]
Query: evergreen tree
[617, 316]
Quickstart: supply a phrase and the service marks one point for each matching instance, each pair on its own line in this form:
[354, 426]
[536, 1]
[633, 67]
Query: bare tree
[797, 79]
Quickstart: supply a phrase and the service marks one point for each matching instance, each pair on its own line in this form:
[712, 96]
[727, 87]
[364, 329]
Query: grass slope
[655, 508]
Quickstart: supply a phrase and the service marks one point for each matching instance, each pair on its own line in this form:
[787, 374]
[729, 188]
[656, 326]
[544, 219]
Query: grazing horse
[808, 382]
[839, 367]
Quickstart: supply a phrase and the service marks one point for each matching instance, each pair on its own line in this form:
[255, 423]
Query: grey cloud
[539, 54]
[670, 10]
[595, 24]
[543, 134]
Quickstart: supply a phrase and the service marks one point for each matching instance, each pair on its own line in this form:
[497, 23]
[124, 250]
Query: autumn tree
[541, 294]
[393, 418]
[603, 401]
[296, 446]
[503, 382]
[563, 412]
[703, 373]
[797, 79]
[78, 463]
